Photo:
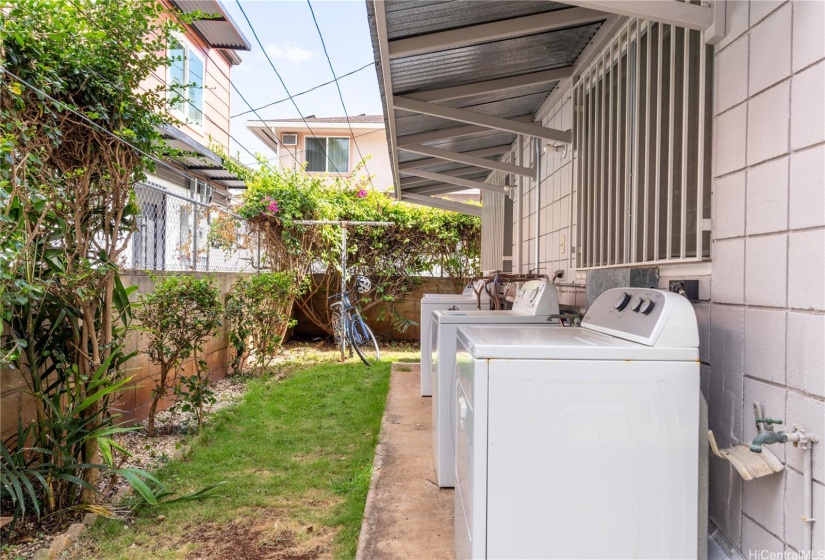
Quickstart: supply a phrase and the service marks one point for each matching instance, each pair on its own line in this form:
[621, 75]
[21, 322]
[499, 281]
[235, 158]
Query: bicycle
[350, 329]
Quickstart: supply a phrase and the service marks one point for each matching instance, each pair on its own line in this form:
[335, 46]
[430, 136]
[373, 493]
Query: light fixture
[563, 149]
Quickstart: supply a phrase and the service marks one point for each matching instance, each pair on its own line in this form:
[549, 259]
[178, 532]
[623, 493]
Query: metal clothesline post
[343, 224]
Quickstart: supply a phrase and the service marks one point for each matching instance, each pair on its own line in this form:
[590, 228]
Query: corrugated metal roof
[220, 31]
[409, 123]
[408, 18]
[487, 61]
[199, 159]
[501, 56]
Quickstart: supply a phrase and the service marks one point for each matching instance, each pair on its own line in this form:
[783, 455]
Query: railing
[176, 232]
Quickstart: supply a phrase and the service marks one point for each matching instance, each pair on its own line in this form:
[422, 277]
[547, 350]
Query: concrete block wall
[557, 209]
[379, 317]
[761, 313]
[132, 404]
[767, 310]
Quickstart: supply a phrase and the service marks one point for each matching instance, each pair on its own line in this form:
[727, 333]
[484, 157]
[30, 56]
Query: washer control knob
[647, 306]
[622, 302]
[635, 303]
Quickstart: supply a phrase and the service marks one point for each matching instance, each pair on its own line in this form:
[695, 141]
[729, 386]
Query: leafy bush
[258, 311]
[66, 212]
[424, 241]
[177, 319]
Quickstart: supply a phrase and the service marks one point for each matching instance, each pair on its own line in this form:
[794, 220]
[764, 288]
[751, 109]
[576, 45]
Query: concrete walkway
[407, 517]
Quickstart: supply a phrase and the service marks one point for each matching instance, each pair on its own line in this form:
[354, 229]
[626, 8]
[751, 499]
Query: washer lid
[488, 316]
[564, 343]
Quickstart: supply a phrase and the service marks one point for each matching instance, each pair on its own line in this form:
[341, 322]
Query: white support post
[492, 86]
[673, 12]
[443, 204]
[469, 160]
[462, 115]
[494, 151]
[461, 172]
[470, 184]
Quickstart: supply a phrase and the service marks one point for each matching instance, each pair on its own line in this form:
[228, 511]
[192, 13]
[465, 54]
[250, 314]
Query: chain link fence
[180, 233]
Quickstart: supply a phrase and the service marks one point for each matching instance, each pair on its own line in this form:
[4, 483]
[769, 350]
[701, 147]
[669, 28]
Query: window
[327, 155]
[643, 141]
[186, 72]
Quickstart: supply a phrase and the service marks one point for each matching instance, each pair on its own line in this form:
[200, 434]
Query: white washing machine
[465, 301]
[581, 442]
[535, 301]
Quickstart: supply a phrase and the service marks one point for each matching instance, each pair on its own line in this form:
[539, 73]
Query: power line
[280, 79]
[94, 124]
[335, 81]
[340, 95]
[163, 81]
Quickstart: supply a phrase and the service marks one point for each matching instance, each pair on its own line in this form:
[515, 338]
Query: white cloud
[288, 53]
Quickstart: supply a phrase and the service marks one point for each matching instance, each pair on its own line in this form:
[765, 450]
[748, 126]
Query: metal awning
[219, 31]
[461, 79]
[200, 160]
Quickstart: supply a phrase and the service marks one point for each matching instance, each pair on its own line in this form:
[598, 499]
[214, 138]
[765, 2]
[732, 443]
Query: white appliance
[581, 442]
[534, 302]
[464, 301]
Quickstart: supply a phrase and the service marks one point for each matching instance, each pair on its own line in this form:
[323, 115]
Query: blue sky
[288, 34]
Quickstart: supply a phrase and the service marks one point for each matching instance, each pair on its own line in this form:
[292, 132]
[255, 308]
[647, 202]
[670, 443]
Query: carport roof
[442, 64]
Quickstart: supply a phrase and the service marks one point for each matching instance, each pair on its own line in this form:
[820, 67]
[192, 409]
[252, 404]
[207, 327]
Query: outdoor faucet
[766, 438]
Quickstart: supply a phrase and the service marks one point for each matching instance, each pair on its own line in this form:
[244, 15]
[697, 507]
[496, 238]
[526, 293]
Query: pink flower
[271, 204]
[361, 194]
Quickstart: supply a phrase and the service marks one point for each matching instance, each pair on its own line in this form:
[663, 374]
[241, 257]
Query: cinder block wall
[133, 403]
[761, 313]
[379, 317]
[767, 310]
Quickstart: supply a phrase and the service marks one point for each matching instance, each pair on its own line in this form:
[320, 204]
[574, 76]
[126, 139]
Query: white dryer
[465, 301]
[581, 442]
[535, 301]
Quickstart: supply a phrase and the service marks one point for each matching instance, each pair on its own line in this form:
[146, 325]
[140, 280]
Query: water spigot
[766, 438]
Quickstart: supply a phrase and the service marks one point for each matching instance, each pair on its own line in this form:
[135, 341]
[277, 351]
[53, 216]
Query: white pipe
[804, 441]
[537, 153]
[520, 218]
[807, 500]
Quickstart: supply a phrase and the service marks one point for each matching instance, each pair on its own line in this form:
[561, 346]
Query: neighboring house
[330, 145]
[675, 140]
[175, 204]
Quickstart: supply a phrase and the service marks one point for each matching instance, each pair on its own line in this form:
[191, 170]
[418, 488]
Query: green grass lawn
[297, 457]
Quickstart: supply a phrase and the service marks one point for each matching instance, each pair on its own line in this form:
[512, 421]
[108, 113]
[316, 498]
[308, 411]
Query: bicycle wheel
[339, 331]
[363, 340]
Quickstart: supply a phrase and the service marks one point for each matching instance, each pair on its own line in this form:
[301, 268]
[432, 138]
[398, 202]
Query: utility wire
[163, 81]
[280, 79]
[94, 124]
[340, 95]
[335, 81]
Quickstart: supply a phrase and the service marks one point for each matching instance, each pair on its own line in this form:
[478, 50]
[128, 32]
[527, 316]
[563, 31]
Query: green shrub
[423, 242]
[258, 312]
[177, 319]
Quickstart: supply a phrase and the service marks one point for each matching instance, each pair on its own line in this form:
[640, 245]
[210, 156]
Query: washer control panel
[644, 315]
[537, 297]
